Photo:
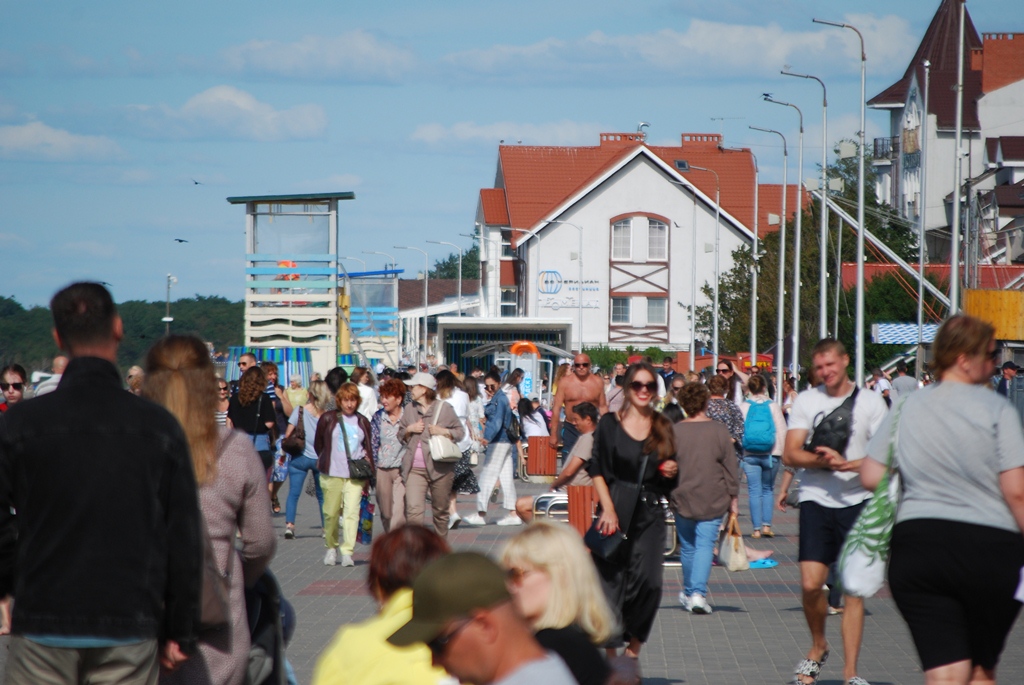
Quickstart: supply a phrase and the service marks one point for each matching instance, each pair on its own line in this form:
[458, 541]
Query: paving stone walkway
[755, 635]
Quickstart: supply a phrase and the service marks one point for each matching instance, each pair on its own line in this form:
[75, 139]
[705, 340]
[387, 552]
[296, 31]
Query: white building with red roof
[641, 231]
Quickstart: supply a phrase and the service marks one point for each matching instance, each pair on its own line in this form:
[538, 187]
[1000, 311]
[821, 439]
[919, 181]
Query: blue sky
[109, 110]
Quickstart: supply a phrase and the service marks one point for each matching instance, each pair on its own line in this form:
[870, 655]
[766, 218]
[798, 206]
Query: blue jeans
[297, 469]
[761, 472]
[696, 552]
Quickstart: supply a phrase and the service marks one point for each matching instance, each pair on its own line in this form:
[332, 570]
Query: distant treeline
[25, 336]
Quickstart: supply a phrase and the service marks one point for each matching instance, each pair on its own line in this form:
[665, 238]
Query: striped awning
[289, 360]
[901, 333]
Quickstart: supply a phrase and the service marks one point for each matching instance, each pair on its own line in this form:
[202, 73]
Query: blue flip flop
[764, 563]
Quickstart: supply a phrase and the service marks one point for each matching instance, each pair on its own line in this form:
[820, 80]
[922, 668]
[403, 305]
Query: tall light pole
[922, 226]
[355, 259]
[753, 277]
[171, 280]
[954, 255]
[823, 235]
[780, 332]
[426, 284]
[797, 240]
[859, 333]
[579, 295]
[718, 225]
[442, 242]
[393, 263]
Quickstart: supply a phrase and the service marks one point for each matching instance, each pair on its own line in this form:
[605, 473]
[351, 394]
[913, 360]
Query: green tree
[449, 266]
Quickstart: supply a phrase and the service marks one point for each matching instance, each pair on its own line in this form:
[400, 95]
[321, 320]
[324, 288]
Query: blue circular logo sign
[549, 282]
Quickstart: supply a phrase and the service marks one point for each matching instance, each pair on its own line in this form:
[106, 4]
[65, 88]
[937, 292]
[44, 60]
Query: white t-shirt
[367, 401]
[837, 489]
[460, 403]
[533, 426]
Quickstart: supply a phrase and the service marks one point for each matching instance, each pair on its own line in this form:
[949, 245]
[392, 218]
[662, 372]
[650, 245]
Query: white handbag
[442, 448]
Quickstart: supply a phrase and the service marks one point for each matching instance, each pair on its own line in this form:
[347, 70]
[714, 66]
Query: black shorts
[823, 531]
[954, 583]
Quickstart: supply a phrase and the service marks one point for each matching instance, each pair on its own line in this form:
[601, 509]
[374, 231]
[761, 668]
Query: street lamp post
[954, 255]
[579, 294]
[823, 236]
[355, 259]
[781, 323]
[753, 277]
[797, 240]
[859, 333]
[718, 213]
[426, 284]
[921, 223]
[384, 254]
[442, 242]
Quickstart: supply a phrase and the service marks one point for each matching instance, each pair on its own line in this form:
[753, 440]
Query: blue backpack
[759, 428]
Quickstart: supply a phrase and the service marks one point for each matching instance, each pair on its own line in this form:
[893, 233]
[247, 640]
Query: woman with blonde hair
[555, 586]
[319, 397]
[232, 495]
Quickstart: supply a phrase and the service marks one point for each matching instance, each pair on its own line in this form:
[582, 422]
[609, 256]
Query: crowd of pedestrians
[192, 465]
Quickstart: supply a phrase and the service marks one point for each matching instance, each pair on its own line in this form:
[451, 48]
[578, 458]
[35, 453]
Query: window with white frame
[620, 310]
[622, 240]
[657, 240]
[508, 302]
[657, 311]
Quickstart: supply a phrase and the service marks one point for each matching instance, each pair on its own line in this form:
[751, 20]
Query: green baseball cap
[450, 587]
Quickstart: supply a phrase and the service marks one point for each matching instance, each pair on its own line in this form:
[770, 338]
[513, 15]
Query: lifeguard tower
[291, 278]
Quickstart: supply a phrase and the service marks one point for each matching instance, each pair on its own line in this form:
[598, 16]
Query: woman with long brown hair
[624, 441]
[232, 495]
[253, 412]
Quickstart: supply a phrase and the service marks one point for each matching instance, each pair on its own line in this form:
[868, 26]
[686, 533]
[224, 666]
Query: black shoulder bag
[611, 548]
[834, 430]
[358, 469]
[266, 456]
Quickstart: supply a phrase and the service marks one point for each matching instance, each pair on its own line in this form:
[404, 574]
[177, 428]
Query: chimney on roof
[622, 139]
[705, 141]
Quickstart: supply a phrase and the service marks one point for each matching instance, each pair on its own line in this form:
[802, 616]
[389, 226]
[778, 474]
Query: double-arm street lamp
[442, 242]
[421, 350]
[796, 238]
[383, 254]
[859, 333]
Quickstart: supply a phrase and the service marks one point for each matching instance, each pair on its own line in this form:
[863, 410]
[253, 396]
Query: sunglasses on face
[492, 388]
[582, 365]
[724, 371]
[7, 386]
[440, 643]
[223, 388]
[637, 386]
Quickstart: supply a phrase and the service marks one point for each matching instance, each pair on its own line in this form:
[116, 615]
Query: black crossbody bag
[835, 429]
[625, 496]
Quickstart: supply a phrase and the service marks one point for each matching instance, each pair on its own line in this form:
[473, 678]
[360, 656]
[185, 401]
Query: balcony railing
[887, 148]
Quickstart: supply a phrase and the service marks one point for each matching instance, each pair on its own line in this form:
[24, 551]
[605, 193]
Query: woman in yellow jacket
[360, 653]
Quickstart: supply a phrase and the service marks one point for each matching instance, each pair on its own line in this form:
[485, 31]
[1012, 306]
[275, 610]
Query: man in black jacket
[103, 558]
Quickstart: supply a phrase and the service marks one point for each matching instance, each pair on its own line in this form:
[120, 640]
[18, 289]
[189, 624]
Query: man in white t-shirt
[831, 497]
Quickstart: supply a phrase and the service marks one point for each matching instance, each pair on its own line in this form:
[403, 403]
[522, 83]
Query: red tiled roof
[537, 179]
[1010, 199]
[410, 291]
[1012, 148]
[991, 277]
[939, 46]
[495, 207]
[770, 202]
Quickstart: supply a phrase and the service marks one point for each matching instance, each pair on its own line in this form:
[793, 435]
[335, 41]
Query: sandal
[766, 531]
[811, 669]
[756, 534]
[275, 505]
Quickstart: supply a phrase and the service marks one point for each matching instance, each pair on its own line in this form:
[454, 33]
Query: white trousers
[497, 467]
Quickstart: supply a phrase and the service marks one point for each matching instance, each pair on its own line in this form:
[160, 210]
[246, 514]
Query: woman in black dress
[633, 586]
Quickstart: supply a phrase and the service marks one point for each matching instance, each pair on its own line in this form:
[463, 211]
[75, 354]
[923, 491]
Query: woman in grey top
[707, 487]
[319, 396]
[957, 548]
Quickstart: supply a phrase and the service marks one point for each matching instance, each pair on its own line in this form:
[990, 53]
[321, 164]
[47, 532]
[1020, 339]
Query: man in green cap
[462, 610]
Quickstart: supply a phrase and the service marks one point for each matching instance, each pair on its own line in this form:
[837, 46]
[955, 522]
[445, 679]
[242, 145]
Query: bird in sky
[198, 183]
[180, 240]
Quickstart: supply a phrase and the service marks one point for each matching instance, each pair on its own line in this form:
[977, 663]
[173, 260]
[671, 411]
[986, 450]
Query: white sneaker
[453, 521]
[699, 605]
[474, 520]
[685, 601]
[346, 560]
[512, 519]
[331, 557]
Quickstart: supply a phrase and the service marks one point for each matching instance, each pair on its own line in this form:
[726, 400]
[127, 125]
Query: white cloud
[706, 50]
[227, 112]
[563, 132]
[37, 141]
[10, 241]
[355, 56]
